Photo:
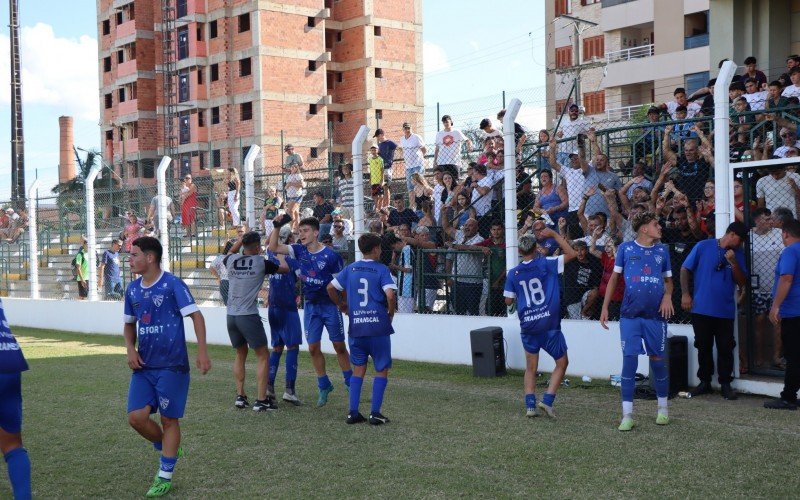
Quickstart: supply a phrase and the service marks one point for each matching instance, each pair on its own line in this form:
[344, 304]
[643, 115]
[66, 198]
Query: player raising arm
[366, 292]
[646, 306]
[155, 305]
[534, 284]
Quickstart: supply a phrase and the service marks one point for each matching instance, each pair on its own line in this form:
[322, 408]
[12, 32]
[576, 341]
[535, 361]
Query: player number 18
[534, 294]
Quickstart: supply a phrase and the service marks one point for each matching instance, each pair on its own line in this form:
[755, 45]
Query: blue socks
[355, 392]
[19, 472]
[530, 401]
[628, 383]
[157, 445]
[347, 375]
[548, 399]
[291, 367]
[662, 377]
[378, 388]
[323, 382]
[167, 467]
[274, 363]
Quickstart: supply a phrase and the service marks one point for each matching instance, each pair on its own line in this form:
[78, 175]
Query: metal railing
[630, 53]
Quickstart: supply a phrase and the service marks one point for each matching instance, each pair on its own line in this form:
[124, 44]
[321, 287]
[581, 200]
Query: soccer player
[12, 364]
[366, 292]
[534, 284]
[317, 264]
[158, 301]
[246, 273]
[646, 306]
[284, 321]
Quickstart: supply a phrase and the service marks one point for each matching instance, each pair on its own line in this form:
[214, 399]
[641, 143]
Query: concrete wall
[439, 339]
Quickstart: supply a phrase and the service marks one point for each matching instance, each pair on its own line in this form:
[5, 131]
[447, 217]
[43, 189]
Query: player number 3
[534, 294]
[364, 291]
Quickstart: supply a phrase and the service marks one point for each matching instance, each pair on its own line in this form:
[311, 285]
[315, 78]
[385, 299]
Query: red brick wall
[396, 45]
[293, 119]
[353, 87]
[396, 86]
[289, 31]
[282, 74]
[348, 9]
[351, 48]
[402, 10]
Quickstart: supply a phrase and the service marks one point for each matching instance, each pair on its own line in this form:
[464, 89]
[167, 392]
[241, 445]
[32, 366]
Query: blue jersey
[316, 271]
[789, 264]
[365, 283]
[11, 358]
[282, 291]
[644, 270]
[159, 310]
[535, 285]
[713, 279]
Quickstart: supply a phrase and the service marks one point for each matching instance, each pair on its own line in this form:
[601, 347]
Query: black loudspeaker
[488, 355]
[677, 358]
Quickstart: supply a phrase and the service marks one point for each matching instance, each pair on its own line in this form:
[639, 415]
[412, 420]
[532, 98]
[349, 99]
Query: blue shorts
[316, 316]
[165, 391]
[284, 325]
[11, 402]
[552, 342]
[634, 331]
[379, 348]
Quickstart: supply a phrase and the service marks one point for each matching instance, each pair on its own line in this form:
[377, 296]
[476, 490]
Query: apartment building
[629, 53]
[202, 80]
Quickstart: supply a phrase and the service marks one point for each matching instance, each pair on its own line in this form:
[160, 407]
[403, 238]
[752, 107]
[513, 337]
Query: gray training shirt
[246, 273]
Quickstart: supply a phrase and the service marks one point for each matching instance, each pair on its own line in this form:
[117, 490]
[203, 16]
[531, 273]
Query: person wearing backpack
[80, 270]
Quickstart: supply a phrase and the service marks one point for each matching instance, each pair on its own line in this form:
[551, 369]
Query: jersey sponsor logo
[163, 402]
[6, 346]
[158, 300]
[146, 318]
[243, 264]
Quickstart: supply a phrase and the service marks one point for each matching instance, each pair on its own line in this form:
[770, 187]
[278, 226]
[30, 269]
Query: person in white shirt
[789, 140]
[413, 153]
[755, 98]
[574, 127]
[692, 108]
[793, 90]
[779, 189]
[573, 176]
[482, 194]
[448, 146]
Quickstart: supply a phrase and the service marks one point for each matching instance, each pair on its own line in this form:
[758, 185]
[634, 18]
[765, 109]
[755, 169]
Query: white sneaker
[292, 398]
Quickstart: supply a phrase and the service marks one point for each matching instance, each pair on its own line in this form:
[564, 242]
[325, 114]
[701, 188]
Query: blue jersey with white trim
[365, 283]
[282, 290]
[316, 271]
[11, 358]
[535, 284]
[158, 312]
[644, 269]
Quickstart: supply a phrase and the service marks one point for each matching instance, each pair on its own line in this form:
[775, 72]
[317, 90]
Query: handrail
[639, 52]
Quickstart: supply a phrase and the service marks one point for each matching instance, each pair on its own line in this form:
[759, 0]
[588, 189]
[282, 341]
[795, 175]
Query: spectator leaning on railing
[779, 189]
[598, 176]
[465, 267]
[692, 108]
[576, 127]
[414, 151]
[693, 167]
[573, 175]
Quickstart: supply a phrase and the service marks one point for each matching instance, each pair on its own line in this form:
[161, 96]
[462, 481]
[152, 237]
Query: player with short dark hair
[155, 305]
[246, 273]
[317, 265]
[646, 306]
[12, 364]
[535, 285]
[366, 292]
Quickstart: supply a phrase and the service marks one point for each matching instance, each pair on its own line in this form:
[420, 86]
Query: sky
[472, 51]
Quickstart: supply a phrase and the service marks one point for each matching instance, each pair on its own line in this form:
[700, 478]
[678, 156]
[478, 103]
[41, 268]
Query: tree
[78, 183]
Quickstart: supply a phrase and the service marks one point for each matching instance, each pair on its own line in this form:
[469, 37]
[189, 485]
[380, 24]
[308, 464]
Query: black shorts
[247, 329]
[83, 290]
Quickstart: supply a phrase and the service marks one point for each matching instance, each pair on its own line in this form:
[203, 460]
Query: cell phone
[285, 219]
[771, 137]
[601, 187]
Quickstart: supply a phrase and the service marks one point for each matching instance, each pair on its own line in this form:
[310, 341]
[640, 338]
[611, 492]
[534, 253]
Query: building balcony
[617, 14]
[658, 67]
[126, 29]
[126, 68]
[692, 42]
[128, 107]
[623, 113]
[630, 53]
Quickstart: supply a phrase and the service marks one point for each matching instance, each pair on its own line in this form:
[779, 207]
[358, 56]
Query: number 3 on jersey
[364, 290]
[534, 294]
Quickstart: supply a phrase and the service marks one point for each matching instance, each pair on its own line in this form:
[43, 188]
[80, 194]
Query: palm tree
[78, 183]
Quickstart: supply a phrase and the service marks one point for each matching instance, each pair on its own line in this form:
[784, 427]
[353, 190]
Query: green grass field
[451, 435]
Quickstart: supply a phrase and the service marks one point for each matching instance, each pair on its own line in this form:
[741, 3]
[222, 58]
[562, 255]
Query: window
[201, 161]
[110, 135]
[339, 77]
[379, 114]
[183, 87]
[180, 8]
[120, 18]
[378, 72]
[594, 102]
[215, 115]
[184, 133]
[199, 33]
[199, 76]
[338, 36]
[109, 98]
[593, 47]
[312, 65]
[106, 64]
[183, 43]
[216, 158]
[186, 165]
[212, 29]
[311, 22]
[312, 109]
[245, 149]
[560, 105]
[246, 111]
[121, 93]
[563, 7]
[314, 153]
[563, 57]
[245, 67]
[201, 119]
[244, 22]
[215, 72]
[120, 57]
[377, 30]
[133, 130]
[148, 170]
[695, 81]
[107, 27]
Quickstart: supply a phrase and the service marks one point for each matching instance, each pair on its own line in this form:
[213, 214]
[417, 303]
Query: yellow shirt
[375, 170]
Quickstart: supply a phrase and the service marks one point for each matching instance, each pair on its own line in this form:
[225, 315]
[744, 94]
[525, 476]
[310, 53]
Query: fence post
[163, 228]
[249, 186]
[33, 258]
[722, 174]
[358, 186]
[510, 182]
[91, 233]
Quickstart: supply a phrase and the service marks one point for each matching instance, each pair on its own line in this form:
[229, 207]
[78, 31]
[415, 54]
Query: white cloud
[57, 72]
[475, 45]
[434, 58]
[532, 118]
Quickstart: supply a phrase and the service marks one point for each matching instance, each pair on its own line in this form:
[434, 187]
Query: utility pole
[17, 139]
[579, 26]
